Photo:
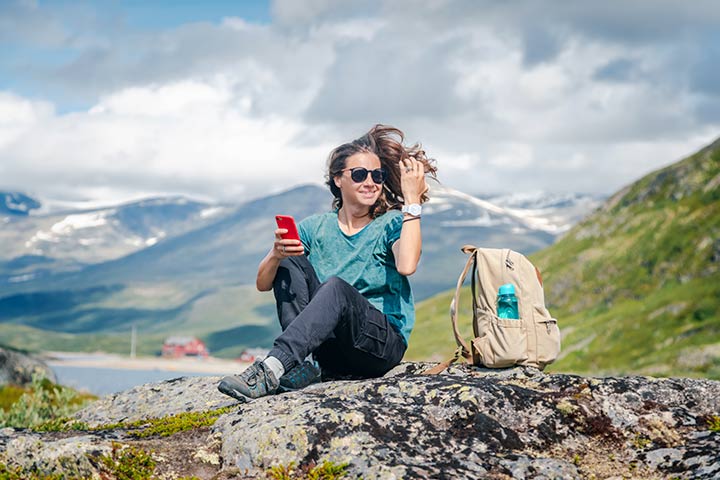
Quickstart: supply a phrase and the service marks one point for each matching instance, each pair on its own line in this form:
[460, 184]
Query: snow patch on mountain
[68, 227]
[80, 221]
[149, 242]
[554, 213]
[21, 278]
[442, 194]
[476, 212]
[212, 212]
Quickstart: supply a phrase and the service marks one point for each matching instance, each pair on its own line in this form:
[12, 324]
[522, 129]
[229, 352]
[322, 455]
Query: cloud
[585, 97]
[187, 138]
[18, 114]
[25, 22]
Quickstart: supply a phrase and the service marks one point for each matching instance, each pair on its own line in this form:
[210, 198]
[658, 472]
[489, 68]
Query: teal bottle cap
[507, 289]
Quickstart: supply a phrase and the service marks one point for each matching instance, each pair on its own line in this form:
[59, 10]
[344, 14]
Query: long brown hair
[387, 143]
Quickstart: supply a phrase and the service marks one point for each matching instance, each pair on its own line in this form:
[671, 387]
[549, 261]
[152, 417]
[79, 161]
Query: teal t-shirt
[364, 260]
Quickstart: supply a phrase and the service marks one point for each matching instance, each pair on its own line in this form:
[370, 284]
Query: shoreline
[119, 362]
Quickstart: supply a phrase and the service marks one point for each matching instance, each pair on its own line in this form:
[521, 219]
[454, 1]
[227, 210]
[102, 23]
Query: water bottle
[507, 304]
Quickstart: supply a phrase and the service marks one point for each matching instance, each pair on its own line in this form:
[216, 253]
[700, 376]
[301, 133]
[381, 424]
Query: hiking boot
[300, 376]
[255, 382]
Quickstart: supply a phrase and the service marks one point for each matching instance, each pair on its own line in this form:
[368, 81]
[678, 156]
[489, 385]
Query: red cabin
[176, 347]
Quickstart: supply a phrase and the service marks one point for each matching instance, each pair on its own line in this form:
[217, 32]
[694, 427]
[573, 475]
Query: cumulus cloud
[188, 137]
[585, 97]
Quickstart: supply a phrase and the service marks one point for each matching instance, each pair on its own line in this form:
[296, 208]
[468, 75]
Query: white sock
[275, 365]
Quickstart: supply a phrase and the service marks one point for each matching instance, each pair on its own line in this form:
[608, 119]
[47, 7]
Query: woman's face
[366, 192]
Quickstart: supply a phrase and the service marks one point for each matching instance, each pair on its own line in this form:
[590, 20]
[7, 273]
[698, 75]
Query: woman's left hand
[412, 180]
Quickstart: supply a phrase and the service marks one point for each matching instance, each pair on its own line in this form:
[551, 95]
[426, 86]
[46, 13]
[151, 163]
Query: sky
[109, 101]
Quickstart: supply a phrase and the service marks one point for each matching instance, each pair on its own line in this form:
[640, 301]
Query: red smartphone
[287, 222]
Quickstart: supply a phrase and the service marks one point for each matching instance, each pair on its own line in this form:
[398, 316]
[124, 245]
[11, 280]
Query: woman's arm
[269, 265]
[408, 247]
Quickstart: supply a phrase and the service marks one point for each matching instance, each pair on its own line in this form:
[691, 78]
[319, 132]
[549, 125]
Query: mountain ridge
[200, 281]
[635, 285]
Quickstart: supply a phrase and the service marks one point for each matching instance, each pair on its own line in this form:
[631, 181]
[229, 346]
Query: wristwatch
[413, 209]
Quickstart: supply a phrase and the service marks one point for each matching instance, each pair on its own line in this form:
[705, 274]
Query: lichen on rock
[465, 423]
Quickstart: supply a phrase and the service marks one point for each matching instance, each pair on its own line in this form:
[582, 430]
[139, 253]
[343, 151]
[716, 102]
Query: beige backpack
[533, 340]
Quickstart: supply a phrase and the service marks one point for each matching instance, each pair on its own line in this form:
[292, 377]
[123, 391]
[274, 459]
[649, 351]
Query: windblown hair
[387, 143]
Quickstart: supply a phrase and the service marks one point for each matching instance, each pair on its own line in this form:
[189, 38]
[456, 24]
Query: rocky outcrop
[465, 423]
[18, 368]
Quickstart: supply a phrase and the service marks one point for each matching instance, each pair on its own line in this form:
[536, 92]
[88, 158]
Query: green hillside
[635, 286]
[228, 318]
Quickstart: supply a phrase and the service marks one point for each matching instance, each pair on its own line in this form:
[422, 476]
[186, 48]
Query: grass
[228, 319]
[625, 338]
[635, 287]
[432, 337]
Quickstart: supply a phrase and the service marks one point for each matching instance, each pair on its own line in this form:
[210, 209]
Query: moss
[180, 422]
[128, 462]
[166, 426]
[64, 424]
[713, 423]
[328, 471]
[641, 442]
[282, 472]
[8, 473]
[325, 471]
[162, 427]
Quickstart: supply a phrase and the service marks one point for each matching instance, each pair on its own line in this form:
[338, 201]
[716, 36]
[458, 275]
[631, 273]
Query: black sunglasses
[359, 174]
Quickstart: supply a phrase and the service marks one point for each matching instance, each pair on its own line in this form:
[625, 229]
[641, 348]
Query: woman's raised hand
[284, 248]
[412, 180]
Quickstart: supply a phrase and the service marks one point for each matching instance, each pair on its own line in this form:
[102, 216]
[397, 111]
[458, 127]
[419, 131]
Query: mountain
[198, 278]
[69, 240]
[554, 212]
[635, 285]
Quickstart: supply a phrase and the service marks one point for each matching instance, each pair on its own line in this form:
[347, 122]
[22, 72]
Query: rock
[465, 423]
[18, 368]
[68, 457]
[156, 400]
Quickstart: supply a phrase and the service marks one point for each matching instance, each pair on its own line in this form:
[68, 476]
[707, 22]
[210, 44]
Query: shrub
[43, 402]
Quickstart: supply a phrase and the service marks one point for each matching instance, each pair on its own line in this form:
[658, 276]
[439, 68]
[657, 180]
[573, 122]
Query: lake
[104, 381]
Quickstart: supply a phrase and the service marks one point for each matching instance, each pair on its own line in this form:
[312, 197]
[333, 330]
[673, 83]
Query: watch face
[413, 209]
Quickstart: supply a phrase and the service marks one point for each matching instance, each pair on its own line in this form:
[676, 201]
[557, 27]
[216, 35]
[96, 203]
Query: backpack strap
[471, 263]
[443, 365]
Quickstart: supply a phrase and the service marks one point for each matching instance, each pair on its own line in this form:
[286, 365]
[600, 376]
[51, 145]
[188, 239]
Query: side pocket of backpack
[503, 342]
[548, 336]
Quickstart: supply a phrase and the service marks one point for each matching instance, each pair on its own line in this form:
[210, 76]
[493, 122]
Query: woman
[341, 291]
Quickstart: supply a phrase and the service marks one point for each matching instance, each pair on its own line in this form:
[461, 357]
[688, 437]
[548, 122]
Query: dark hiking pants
[345, 333]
